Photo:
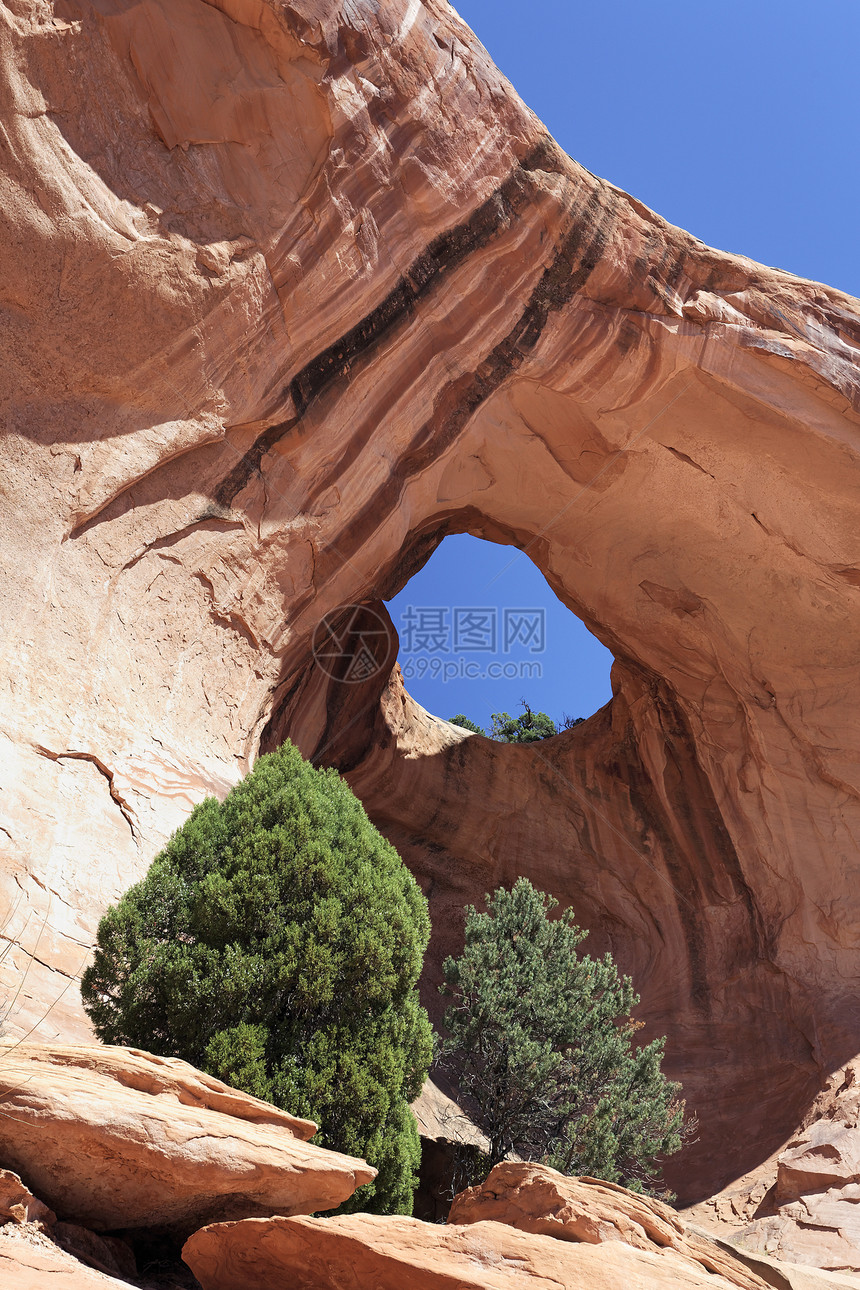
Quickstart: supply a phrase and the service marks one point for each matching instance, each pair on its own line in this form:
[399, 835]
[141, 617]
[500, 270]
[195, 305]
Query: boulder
[441, 1118]
[821, 1229]
[534, 1198]
[393, 1253]
[117, 1138]
[824, 1157]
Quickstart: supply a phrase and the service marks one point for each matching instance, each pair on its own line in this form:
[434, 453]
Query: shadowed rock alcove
[262, 352]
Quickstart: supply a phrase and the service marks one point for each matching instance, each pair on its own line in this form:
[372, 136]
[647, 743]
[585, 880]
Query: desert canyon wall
[289, 292]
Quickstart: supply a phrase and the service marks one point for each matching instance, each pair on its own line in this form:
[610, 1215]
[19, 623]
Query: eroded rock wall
[289, 292]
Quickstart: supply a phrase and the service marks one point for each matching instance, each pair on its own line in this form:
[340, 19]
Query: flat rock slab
[118, 1138]
[363, 1250]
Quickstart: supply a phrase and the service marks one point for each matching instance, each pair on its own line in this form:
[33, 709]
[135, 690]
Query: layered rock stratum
[289, 292]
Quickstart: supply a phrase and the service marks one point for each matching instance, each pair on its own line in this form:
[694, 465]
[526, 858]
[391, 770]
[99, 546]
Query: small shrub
[526, 728]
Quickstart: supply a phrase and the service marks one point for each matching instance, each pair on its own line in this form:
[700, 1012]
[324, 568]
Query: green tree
[466, 723]
[539, 1042]
[276, 942]
[525, 729]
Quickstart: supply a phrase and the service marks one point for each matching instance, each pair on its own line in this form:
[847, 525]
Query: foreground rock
[804, 1204]
[536, 1199]
[393, 1253]
[31, 1261]
[333, 294]
[115, 1138]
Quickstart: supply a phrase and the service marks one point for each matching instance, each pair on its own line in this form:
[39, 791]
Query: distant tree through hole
[482, 633]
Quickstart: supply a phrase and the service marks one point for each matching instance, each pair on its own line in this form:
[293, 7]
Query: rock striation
[114, 1138]
[291, 291]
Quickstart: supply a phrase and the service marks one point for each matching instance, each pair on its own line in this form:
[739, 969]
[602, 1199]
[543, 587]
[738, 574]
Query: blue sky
[737, 120]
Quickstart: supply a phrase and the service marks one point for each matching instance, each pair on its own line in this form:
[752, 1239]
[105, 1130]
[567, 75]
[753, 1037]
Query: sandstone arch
[279, 311]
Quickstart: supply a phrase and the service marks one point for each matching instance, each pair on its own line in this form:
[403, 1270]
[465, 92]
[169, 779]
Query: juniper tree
[540, 1043]
[466, 723]
[276, 942]
[527, 728]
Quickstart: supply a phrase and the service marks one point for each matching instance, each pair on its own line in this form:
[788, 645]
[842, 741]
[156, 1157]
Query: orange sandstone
[116, 1138]
[290, 291]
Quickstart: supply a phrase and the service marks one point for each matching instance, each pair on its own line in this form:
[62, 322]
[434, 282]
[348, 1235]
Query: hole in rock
[481, 632]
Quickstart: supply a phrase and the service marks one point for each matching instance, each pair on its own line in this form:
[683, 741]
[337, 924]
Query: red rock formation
[20, 1209]
[802, 1205]
[390, 1253]
[290, 291]
[113, 1138]
[536, 1199]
